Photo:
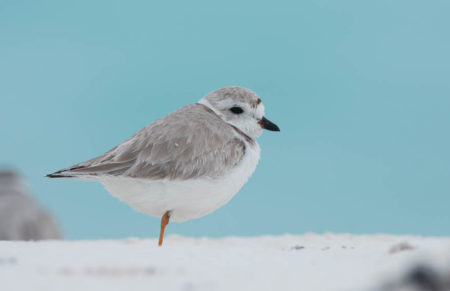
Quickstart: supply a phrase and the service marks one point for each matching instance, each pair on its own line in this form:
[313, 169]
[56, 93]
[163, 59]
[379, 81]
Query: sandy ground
[290, 262]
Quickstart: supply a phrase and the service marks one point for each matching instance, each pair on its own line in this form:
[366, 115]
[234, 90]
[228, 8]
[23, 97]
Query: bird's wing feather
[189, 143]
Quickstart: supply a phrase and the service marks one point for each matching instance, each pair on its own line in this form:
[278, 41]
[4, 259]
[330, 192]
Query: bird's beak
[269, 125]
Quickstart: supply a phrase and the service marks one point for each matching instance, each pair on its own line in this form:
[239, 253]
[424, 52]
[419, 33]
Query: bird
[186, 164]
[21, 218]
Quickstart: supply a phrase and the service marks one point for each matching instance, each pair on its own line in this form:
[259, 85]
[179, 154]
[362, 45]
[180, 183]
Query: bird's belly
[186, 199]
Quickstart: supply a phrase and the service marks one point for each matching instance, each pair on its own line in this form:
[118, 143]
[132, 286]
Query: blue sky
[360, 90]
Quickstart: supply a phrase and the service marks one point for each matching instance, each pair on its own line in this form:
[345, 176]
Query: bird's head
[241, 108]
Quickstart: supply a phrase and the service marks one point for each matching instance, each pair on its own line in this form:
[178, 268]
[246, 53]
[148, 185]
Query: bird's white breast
[186, 199]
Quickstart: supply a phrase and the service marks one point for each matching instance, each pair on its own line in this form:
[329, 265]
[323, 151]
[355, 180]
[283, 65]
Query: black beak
[269, 125]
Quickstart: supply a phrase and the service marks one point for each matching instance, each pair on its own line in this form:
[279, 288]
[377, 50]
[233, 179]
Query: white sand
[308, 262]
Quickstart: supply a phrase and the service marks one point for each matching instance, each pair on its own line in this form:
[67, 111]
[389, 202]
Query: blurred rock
[20, 217]
[421, 278]
[400, 247]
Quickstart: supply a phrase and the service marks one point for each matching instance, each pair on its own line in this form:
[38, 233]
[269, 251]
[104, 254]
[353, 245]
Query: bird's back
[189, 143]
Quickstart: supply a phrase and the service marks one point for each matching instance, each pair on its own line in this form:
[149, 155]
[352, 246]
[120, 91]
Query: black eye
[236, 110]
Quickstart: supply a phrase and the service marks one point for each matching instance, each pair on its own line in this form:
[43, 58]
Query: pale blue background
[360, 90]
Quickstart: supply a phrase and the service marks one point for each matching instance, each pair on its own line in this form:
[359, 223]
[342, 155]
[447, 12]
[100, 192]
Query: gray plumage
[171, 148]
[20, 217]
[237, 94]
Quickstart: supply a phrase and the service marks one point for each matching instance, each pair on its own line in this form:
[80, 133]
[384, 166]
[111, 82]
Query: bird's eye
[236, 110]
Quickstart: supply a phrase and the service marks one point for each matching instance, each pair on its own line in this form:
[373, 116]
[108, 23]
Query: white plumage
[186, 199]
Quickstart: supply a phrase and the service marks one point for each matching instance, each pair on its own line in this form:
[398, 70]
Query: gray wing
[188, 143]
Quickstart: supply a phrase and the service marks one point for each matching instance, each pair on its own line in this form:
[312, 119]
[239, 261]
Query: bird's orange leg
[164, 223]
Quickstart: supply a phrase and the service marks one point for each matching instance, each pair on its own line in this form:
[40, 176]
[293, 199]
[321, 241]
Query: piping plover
[186, 164]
